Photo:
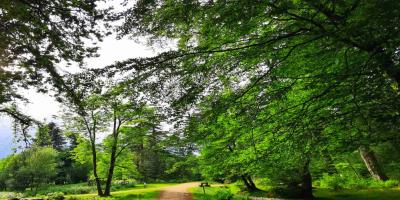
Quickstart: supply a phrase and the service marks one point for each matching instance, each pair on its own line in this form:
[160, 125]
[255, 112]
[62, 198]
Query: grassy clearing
[137, 192]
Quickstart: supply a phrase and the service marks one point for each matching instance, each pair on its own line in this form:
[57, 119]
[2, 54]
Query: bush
[391, 183]
[55, 196]
[224, 194]
[337, 182]
[332, 182]
[66, 189]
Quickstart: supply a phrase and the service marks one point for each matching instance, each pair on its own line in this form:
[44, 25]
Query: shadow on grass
[369, 194]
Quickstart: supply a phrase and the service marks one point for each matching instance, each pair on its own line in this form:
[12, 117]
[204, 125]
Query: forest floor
[178, 192]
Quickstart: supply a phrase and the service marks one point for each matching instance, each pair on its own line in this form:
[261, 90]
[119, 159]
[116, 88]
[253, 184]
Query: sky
[43, 107]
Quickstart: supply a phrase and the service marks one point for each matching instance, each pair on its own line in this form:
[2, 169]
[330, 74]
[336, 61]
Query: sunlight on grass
[138, 192]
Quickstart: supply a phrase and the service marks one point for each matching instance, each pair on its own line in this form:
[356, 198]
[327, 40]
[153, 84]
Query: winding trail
[178, 192]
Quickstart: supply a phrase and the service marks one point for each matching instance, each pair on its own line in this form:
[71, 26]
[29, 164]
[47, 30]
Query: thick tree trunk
[372, 164]
[248, 181]
[306, 185]
[94, 160]
[253, 186]
[248, 186]
[303, 187]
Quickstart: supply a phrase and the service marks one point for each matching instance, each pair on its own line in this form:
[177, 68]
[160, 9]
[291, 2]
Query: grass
[322, 194]
[211, 192]
[368, 194]
[139, 192]
[79, 188]
[136, 195]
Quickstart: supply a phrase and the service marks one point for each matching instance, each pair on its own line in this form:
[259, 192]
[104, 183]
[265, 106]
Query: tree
[104, 104]
[31, 168]
[310, 66]
[57, 138]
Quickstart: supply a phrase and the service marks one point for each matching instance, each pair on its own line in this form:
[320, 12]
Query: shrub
[55, 196]
[355, 183]
[332, 182]
[224, 194]
[391, 183]
[337, 182]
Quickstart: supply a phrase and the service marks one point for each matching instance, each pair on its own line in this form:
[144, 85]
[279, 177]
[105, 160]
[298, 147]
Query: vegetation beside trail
[220, 192]
[139, 191]
[150, 192]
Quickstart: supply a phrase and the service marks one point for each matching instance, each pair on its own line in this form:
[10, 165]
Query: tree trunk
[107, 191]
[248, 181]
[253, 186]
[306, 185]
[94, 160]
[248, 186]
[372, 164]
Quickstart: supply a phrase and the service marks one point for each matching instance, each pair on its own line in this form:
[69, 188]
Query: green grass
[368, 194]
[79, 188]
[138, 192]
[322, 194]
[212, 191]
[144, 195]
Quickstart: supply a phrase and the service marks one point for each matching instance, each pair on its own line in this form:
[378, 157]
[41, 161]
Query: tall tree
[57, 138]
[309, 65]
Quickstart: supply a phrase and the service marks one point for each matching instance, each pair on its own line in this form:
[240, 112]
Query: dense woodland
[289, 94]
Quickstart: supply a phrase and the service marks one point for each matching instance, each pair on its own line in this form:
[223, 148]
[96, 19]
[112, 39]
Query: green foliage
[55, 196]
[332, 182]
[214, 192]
[276, 85]
[337, 182]
[36, 37]
[370, 194]
[224, 195]
[31, 168]
[42, 137]
[80, 188]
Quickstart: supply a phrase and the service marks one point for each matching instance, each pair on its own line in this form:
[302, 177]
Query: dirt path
[178, 192]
